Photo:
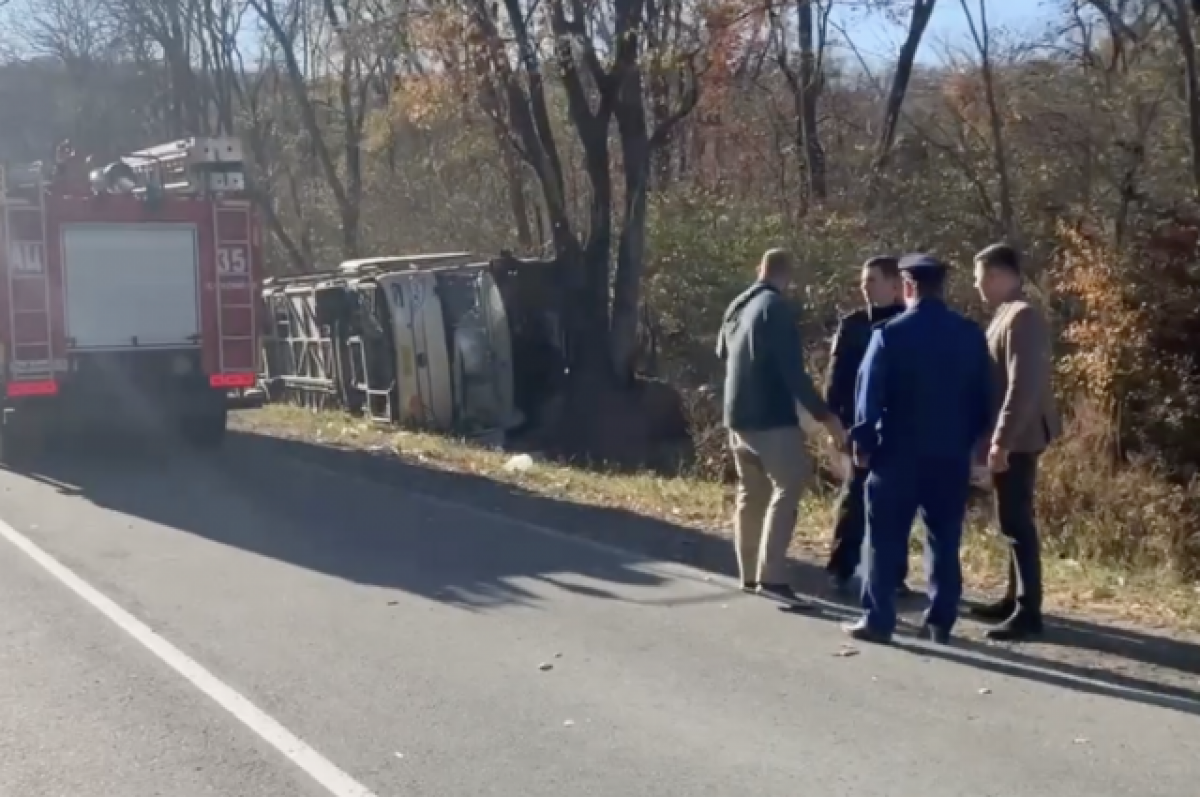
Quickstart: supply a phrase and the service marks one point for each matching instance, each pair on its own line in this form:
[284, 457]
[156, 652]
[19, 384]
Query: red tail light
[46, 387]
[231, 381]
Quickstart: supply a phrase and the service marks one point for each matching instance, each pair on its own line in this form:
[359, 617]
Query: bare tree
[597, 95]
[167, 25]
[353, 53]
[805, 81]
[1183, 24]
[981, 36]
[273, 177]
[922, 12]
[80, 36]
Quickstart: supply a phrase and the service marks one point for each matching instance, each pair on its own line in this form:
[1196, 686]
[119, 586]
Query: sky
[876, 38]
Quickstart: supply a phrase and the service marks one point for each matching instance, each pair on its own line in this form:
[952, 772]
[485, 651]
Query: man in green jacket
[760, 344]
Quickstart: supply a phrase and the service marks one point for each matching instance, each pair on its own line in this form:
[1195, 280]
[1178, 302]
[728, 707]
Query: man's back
[764, 375]
[937, 391]
[759, 342]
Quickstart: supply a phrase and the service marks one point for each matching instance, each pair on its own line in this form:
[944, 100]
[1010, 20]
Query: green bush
[702, 251]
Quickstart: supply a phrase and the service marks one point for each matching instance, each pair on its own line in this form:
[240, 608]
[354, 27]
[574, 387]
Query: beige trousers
[773, 470]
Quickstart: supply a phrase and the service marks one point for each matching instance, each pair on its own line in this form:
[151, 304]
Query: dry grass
[1143, 589]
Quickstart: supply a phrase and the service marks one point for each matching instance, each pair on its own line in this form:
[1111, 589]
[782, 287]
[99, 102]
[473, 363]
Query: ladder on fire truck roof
[194, 165]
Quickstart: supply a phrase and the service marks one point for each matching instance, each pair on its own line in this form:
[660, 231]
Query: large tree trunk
[516, 195]
[601, 413]
[588, 301]
[808, 91]
[631, 251]
[1182, 22]
[805, 84]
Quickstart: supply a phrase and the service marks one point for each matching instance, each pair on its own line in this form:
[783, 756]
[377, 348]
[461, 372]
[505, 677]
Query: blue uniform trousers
[895, 492]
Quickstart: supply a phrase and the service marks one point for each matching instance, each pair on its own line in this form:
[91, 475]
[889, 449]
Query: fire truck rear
[129, 292]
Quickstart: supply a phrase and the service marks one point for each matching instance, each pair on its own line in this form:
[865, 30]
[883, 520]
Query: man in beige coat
[1027, 423]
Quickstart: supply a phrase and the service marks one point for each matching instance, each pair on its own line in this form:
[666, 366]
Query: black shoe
[863, 632]
[935, 634]
[781, 592]
[750, 586]
[1018, 627]
[904, 591]
[1000, 610]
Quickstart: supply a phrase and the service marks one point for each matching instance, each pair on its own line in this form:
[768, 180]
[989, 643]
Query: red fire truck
[130, 291]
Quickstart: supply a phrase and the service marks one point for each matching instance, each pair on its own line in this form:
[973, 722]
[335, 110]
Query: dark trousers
[895, 492]
[849, 530]
[1014, 490]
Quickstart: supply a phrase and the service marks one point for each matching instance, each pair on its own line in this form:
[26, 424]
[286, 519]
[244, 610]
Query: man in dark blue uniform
[922, 405]
[883, 292]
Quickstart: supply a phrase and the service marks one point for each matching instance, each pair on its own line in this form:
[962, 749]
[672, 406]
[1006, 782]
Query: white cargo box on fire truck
[130, 290]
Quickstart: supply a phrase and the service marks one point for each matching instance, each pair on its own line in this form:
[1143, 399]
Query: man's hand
[838, 432]
[997, 459]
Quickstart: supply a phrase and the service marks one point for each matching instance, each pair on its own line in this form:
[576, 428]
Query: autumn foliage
[1132, 334]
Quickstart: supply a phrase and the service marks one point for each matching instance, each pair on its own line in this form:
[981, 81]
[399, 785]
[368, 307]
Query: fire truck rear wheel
[206, 429]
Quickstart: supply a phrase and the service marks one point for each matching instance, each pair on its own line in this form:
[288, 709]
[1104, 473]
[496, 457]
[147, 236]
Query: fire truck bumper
[85, 406]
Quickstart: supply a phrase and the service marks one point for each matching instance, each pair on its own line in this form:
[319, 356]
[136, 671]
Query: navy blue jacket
[849, 347]
[764, 363]
[924, 390]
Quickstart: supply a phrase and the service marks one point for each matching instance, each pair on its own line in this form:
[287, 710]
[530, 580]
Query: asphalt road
[316, 634]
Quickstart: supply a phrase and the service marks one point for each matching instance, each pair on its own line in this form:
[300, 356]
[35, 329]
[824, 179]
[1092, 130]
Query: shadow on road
[1011, 662]
[244, 497]
[247, 497]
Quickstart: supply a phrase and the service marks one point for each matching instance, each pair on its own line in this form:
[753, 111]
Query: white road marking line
[316, 766]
